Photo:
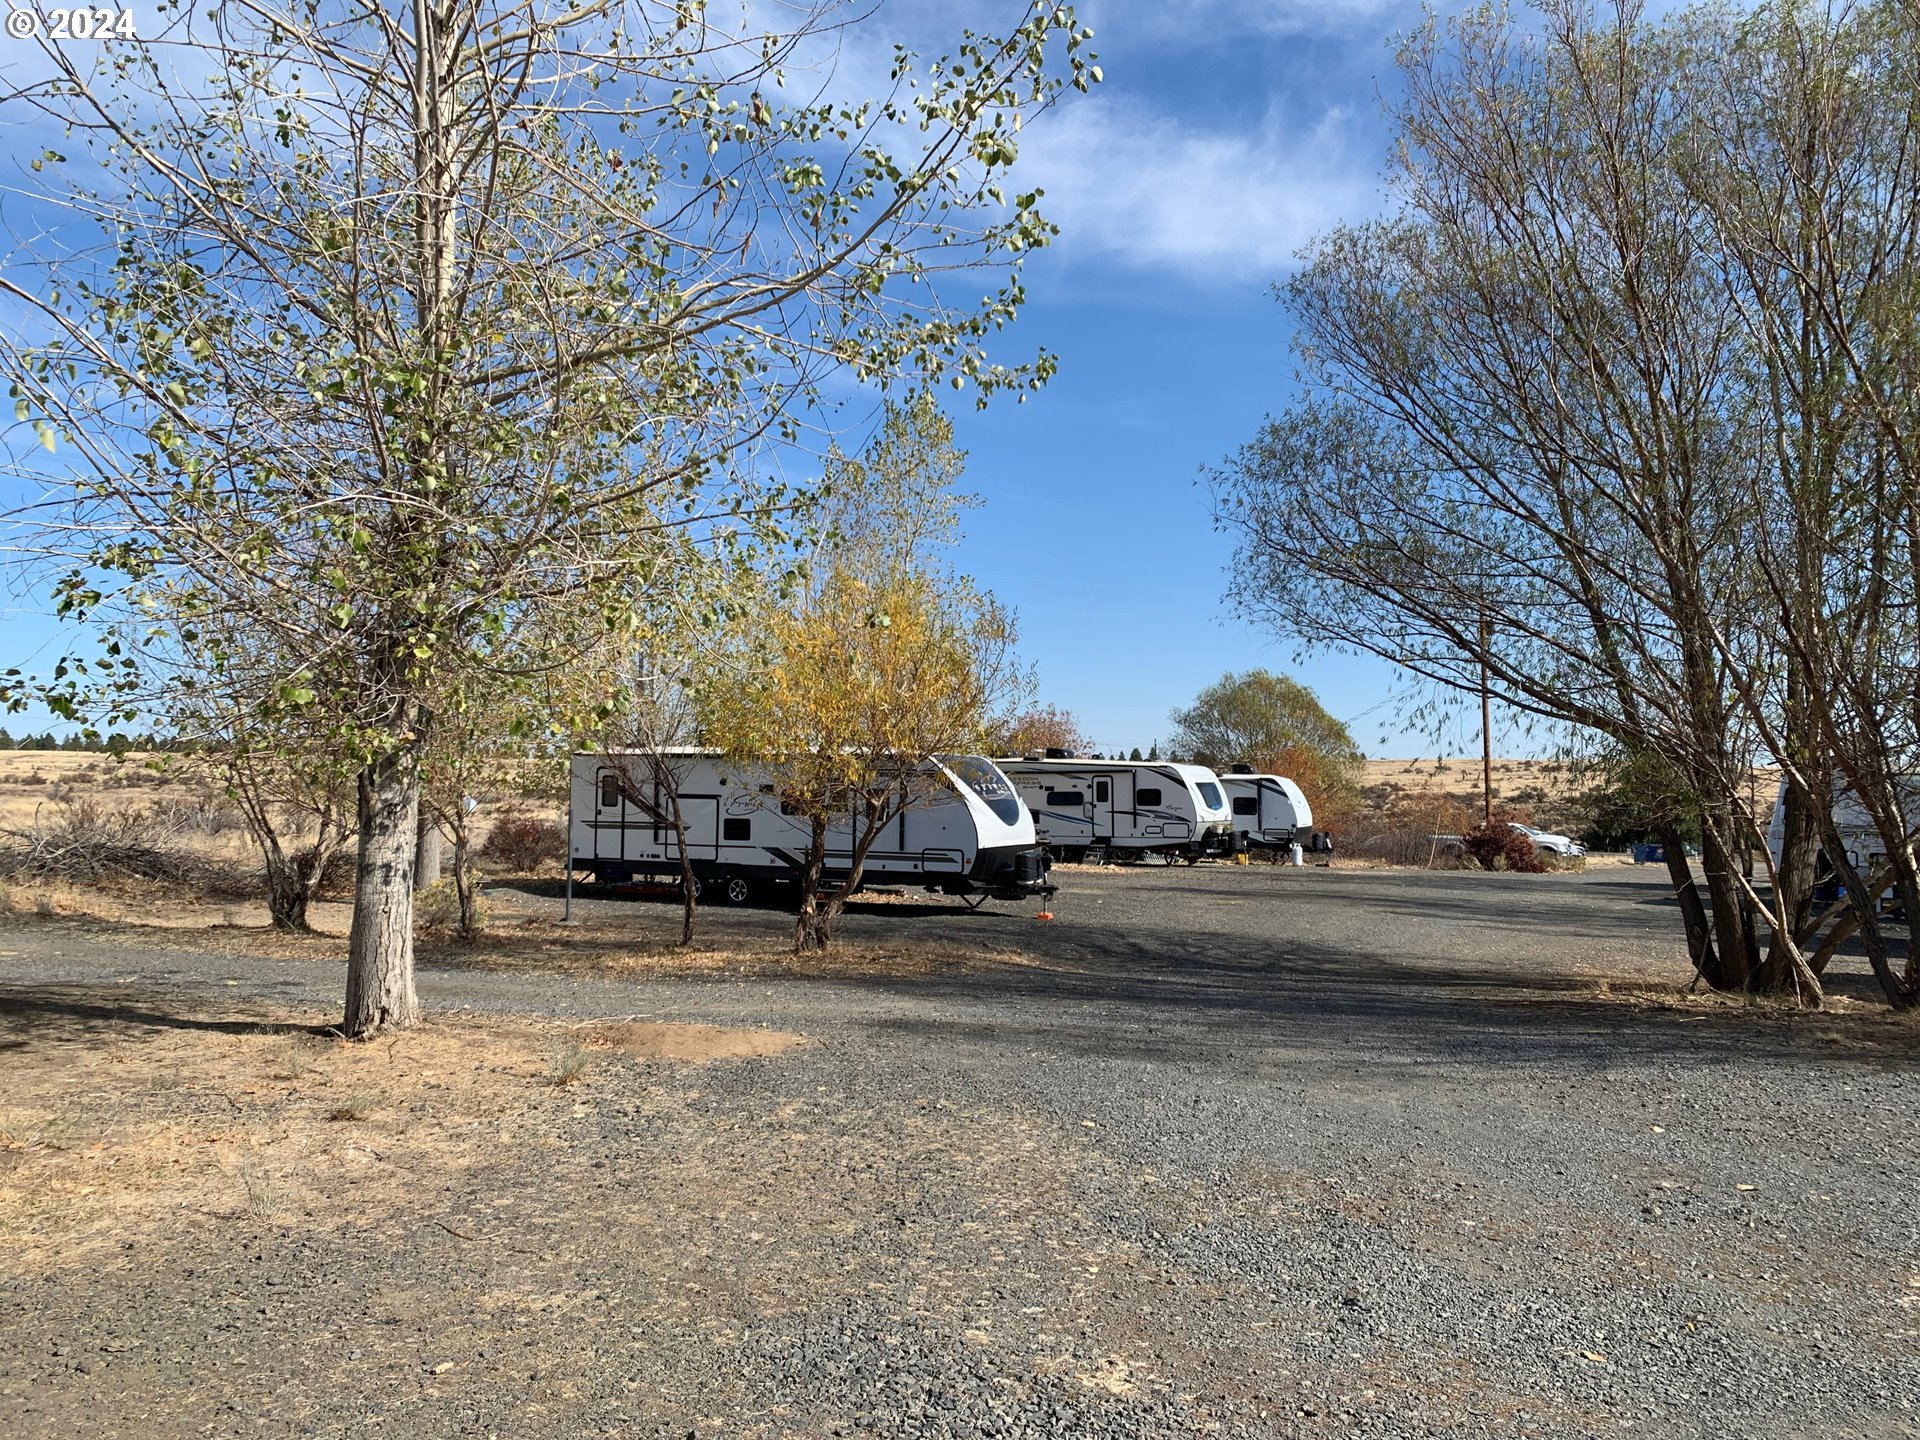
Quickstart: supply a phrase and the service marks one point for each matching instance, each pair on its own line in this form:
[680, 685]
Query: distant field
[29, 779]
[1551, 788]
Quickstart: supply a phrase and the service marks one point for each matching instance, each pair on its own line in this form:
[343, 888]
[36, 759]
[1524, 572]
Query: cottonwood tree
[374, 329]
[1275, 724]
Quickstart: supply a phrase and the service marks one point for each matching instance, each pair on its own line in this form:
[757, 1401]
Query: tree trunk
[469, 923]
[1693, 914]
[809, 932]
[1736, 946]
[689, 886]
[1862, 897]
[427, 863]
[837, 902]
[380, 948]
[287, 896]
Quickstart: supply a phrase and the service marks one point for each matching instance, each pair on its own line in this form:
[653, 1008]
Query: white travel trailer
[969, 835]
[1268, 809]
[1865, 849]
[1123, 809]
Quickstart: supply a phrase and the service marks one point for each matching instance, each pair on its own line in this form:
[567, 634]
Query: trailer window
[1210, 793]
[983, 777]
[1073, 798]
[609, 791]
[1246, 805]
[1146, 797]
[732, 829]
[1102, 792]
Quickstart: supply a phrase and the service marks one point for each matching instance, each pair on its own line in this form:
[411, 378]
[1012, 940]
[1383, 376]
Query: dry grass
[124, 1117]
[1549, 788]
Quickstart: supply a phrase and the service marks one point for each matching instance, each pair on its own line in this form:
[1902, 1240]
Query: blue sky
[1224, 136]
[1226, 133]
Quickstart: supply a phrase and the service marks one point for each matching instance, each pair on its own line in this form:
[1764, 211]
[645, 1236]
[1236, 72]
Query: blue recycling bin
[1646, 853]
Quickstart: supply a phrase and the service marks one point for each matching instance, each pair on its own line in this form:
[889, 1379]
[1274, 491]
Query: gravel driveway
[1246, 1152]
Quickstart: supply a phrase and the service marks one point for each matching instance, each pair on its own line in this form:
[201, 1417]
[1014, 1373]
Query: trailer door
[701, 815]
[609, 819]
[1102, 801]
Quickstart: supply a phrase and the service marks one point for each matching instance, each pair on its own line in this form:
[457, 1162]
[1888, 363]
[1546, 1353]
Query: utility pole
[1486, 727]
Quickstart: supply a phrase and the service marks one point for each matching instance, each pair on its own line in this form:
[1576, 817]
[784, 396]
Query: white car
[1548, 841]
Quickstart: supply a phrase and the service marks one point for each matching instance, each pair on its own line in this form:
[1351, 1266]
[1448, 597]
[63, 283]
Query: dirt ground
[1219, 1151]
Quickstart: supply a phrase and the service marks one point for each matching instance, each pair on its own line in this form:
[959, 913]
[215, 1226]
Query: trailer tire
[736, 889]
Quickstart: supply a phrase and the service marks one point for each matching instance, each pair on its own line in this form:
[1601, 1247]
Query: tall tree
[1275, 724]
[1525, 442]
[402, 320]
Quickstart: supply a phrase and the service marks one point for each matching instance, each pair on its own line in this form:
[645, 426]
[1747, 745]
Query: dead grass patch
[692, 1044]
[1865, 1025]
[521, 940]
[126, 1117]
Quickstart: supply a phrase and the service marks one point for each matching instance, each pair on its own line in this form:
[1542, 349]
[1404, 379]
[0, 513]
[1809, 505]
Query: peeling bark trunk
[287, 896]
[380, 993]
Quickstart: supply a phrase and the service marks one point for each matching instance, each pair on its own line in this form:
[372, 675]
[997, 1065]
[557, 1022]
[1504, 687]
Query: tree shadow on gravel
[80, 1014]
[1296, 997]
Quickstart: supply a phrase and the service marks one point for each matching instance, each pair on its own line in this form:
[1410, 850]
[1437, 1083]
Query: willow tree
[1522, 457]
[378, 327]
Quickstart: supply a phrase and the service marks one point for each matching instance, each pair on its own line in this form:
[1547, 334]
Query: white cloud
[1199, 20]
[1149, 189]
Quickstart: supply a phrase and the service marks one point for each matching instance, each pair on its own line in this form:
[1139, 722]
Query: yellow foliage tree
[851, 694]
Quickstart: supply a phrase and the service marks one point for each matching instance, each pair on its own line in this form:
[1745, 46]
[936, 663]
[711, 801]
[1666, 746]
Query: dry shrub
[209, 815]
[520, 843]
[436, 909]
[1433, 849]
[1500, 847]
[567, 1065]
[1428, 812]
[79, 842]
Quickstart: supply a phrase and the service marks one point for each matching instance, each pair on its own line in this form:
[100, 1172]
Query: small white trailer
[1860, 837]
[1269, 810]
[965, 834]
[1123, 809]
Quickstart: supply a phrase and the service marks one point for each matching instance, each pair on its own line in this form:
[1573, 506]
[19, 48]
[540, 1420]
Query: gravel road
[1246, 1152]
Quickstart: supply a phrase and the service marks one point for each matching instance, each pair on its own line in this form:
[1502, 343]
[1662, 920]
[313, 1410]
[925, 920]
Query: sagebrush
[522, 843]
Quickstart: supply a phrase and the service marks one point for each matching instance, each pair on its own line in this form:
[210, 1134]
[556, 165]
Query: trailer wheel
[737, 890]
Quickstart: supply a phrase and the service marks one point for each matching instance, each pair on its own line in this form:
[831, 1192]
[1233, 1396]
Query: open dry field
[30, 780]
[1550, 788]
